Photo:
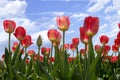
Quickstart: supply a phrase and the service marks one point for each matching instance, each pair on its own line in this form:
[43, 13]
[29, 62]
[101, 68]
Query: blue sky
[37, 16]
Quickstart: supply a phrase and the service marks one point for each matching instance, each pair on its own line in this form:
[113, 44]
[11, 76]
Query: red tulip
[118, 35]
[82, 51]
[27, 60]
[91, 25]
[20, 33]
[115, 48]
[53, 35]
[9, 26]
[83, 37]
[114, 59]
[15, 44]
[119, 25]
[104, 39]
[45, 51]
[106, 49]
[31, 52]
[63, 23]
[75, 41]
[98, 48]
[41, 58]
[72, 47]
[26, 42]
[66, 46]
[117, 42]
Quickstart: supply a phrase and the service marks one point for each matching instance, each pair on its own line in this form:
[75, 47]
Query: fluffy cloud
[9, 8]
[115, 6]
[98, 5]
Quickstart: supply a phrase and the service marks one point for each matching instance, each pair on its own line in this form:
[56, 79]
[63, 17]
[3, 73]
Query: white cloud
[10, 8]
[115, 6]
[79, 16]
[43, 36]
[98, 5]
[58, 13]
[103, 26]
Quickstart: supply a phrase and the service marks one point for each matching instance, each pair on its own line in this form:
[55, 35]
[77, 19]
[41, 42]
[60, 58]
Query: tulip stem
[51, 57]
[38, 51]
[9, 42]
[63, 39]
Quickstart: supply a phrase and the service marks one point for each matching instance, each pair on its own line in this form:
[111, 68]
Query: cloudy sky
[38, 16]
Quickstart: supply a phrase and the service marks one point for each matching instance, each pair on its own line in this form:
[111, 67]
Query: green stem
[51, 57]
[9, 42]
[63, 40]
[38, 51]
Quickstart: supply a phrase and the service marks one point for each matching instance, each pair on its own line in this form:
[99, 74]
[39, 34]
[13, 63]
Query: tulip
[72, 47]
[104, 39]
[118, 35]
[98, 48]
[9, 26]
[53, 35]
[82, 51]
[106, 49]
[20, 33]
[83, 37]
[117, 42]
[91, 25]
[63, 23]
[26, 42]
[15, 44]
[115, 48]
[114, 59]
[31, 52]
[75, 41]
[27, 60]
[66, 46]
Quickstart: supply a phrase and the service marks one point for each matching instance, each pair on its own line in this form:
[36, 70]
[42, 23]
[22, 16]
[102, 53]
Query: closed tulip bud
[104, 39]
[75, 41]
[91, 25]
[83, 37]
[9, 26]
[63, 23]
[20, 33]
[27, 41]
[39, 41]
[43, 50]
[106, 49]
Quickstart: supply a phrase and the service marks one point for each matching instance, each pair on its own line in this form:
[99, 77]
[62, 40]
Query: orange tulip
[63, 23]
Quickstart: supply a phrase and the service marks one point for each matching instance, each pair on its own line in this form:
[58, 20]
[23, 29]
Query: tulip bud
[63, 23]
[72, 47]
[82, 52]
[9, 26]
[104, 39]
[31, 52]
[66, 46]
[39, 41]
[114, 59]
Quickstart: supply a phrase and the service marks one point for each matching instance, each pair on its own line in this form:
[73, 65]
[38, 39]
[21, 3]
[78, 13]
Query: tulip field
[93, 62]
